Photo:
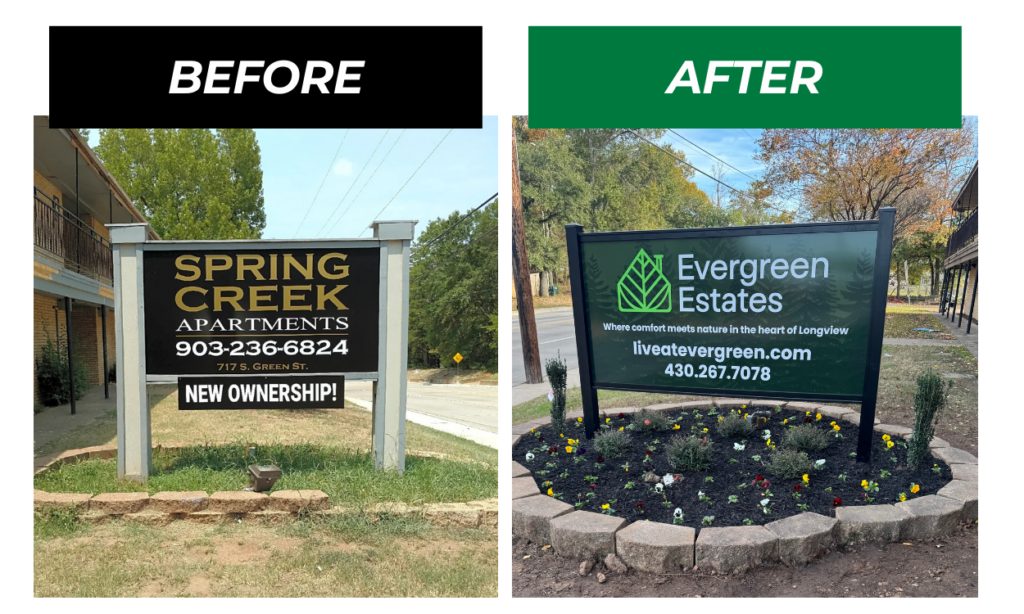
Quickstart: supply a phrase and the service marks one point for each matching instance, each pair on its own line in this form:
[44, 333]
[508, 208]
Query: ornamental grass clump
[734, 426]
[806, 438]
[689, 453]
[611, 444]
[789, 463]
[930, 397]
[648, 421]
[556, 370]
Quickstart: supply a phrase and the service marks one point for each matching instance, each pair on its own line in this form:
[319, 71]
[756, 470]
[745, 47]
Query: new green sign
[744, 77]
[780, 312]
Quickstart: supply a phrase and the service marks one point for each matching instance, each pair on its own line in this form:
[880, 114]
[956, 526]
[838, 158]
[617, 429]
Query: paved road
[472, 405]
[555, 334]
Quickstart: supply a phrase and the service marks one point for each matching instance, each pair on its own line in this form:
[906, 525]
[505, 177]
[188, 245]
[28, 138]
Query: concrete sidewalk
[53, 422]
[522, 393]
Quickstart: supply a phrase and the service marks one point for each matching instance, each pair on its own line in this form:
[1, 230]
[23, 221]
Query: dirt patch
[234, 551]
[940, 568]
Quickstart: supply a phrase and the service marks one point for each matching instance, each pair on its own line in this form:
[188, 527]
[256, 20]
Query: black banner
[262, 392]
[267, 77]
[218, 311]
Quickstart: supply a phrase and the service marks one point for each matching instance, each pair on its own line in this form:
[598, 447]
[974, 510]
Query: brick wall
[87, 337]
[44, 184]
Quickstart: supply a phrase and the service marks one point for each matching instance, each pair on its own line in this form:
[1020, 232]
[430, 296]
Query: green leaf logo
[643, 288]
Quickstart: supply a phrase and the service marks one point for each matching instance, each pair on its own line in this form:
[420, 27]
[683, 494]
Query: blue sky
[736, 147]
[460, 174]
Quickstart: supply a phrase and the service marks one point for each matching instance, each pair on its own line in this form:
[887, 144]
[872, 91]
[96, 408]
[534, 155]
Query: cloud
[343, 167]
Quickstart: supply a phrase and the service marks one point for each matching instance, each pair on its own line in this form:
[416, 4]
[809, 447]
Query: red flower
[621, 415]
[593, 487]
[797, 488]
[540, 439]
[648, 453]
[640, 506]
[764, 484]
[837, 502]
[758, 479]
[600, 459]
[807, 420]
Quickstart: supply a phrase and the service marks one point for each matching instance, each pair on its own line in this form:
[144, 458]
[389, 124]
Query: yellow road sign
[457, 358]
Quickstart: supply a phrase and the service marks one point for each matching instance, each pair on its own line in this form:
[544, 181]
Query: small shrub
[789, 463]
[689, 453]
[112, 373]
[648, 421]
[611, 444]
[735, 426]
[928, 400]
[556, 371]
[806, 438]
[52, 374]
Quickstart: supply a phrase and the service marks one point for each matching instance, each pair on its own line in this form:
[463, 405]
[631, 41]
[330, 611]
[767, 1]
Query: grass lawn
[348, 478]
[606, 399]
[348, 429]
[351, 556]
[901, 325]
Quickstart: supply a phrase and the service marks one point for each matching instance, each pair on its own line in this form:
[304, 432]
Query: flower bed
[740, 486]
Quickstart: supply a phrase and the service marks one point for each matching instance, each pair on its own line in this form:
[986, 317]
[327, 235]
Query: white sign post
[134, 446]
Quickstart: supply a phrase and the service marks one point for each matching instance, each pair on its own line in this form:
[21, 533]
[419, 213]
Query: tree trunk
[543, 290]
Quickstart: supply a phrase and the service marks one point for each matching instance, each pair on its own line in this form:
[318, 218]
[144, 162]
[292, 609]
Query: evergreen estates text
[748, 271]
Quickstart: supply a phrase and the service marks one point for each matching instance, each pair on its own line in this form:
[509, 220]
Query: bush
[112, 373]
[52, 374]
[735, 426]
[806, 438]
[557, 370]
[648, 421]
[928, 400]
[689, 453]
[789, 463]
[611, 444]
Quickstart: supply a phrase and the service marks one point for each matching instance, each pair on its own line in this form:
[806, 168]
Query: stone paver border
[231, 506]
[660, 548]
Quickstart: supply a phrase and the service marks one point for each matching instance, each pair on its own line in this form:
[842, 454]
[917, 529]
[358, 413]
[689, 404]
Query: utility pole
[521, 275]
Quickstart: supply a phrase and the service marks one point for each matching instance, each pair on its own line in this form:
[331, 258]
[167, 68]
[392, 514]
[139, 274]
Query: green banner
[776, 313]
[745, 77]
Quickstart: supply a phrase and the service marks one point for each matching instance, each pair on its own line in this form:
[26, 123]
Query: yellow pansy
[768, 443]
[885, 438]
[864, 484]
[674, 428]
[903, 496]
[579, 419]
[621, 428]
[568, 449]
[817, 416]
[705, 430]
[720, 418]
[607, 420]
[808, 413]
[744, 416]
[605, 506]
[551, 493]
[785, 421]
[915, 488]
[889, 444]
[807, 480]
[835, 427]
[532, 430]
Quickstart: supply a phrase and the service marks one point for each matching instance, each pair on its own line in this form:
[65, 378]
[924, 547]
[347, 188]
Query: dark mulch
[567, 475]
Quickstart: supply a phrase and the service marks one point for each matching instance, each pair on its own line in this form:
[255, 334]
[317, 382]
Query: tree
[191, 184]
[849, 174]
[453, 293]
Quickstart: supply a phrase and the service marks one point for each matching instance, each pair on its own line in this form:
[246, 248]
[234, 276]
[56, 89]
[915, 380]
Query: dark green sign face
[784, 313]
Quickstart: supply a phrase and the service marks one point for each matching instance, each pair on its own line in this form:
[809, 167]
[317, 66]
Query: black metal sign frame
[883, 226]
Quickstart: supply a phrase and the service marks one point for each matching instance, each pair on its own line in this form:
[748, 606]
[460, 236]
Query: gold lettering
[290, 262]
[255, 297]
[227, 294]
[255, 267]
[192, 268]
[322, 297]
[211, 267]
[340, 270]
[289, 297]
[179, 298]
[273, 267]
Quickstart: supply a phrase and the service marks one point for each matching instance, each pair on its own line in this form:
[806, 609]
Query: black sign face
[294, 311]
[272, 77]
[262, 392]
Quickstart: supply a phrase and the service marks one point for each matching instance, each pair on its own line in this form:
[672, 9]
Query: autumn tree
[849, 174]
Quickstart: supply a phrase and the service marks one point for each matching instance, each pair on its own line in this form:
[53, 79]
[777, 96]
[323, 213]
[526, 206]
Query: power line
[711, 154]
[452, 227]
[365, 184]
[411, 176]
[464, 248]
[354, 182]
[748, 134]
[321, 183]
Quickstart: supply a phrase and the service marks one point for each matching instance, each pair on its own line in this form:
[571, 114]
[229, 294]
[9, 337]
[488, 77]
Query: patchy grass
[348, 478]
[891, 308]
[901, 325]
[348, 429]
[606, 399]
[350, 556]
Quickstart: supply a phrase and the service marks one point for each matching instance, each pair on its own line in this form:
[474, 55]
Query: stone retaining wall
[199, 506]
[662, 548]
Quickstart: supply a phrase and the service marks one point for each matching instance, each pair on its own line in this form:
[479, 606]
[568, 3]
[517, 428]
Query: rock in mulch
[586, 567]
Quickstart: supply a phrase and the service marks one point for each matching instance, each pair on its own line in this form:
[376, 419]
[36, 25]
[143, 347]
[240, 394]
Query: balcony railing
[966, 232]
[62, 236]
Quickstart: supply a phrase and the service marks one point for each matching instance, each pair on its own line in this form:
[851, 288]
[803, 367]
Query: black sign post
[791, 312]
